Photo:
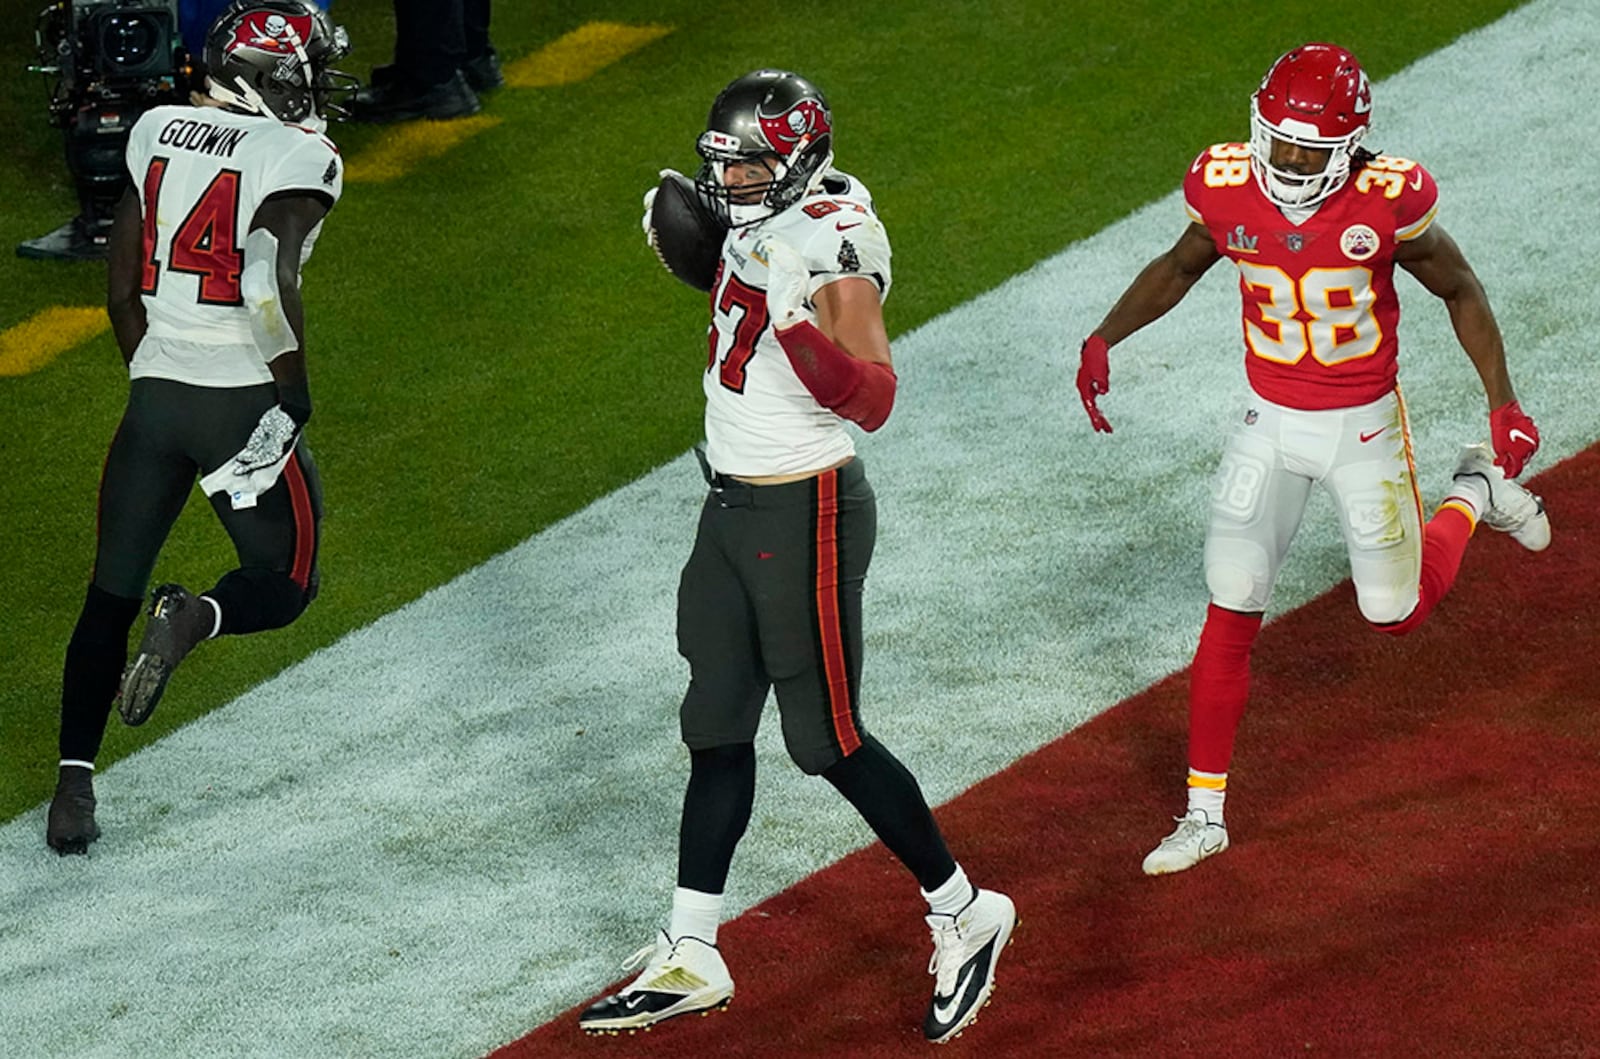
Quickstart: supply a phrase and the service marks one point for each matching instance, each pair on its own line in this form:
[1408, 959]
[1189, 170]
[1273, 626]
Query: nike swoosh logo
[1206, 851]
[1515, 434]
[843, 227]
[1416, 185]
[945, 1010]
[1368, 437]
[633, 1001]
[1198, 162]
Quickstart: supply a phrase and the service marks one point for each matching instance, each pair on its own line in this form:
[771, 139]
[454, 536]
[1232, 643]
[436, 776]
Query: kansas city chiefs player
[770, 598]
[1315, 225]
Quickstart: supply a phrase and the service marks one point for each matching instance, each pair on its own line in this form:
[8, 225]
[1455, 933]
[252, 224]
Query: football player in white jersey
[227, 199]
[770, 599]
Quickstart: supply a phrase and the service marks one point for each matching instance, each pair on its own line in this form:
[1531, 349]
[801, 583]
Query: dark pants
[433, 38]
[170, 434]
[771, 599]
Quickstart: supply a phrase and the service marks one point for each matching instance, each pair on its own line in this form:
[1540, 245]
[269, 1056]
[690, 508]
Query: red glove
[1515, 438]
[1094, 379]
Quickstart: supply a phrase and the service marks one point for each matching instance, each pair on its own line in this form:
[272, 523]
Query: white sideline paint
[450, 826]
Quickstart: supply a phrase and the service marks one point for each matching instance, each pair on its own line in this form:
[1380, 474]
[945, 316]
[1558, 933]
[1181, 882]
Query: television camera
[110, 61]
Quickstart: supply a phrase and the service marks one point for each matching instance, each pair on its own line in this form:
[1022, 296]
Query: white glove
[273, 436]
[255, 468]
[788, 283]
[650, 204]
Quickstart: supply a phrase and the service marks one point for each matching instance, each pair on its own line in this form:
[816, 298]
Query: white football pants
[1362, 457]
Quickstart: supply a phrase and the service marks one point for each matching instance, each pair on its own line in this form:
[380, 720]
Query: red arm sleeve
[861, 391]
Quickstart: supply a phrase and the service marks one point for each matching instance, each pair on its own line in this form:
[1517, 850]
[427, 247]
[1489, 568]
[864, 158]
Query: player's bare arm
[849, 312]
[124, 304]
[1438, 264]
[1154, 291]
[1161, 285]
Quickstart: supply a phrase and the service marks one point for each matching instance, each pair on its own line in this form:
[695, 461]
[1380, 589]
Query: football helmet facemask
[273, 58]
[776, 120]
[1315, 96]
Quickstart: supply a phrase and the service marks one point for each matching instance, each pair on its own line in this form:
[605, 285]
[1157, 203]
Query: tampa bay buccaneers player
[770, 598]
[228, 198]
[1315, 225]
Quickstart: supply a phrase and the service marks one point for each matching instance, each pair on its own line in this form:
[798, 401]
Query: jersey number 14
[206, 244]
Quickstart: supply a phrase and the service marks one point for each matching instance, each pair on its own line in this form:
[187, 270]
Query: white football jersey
[760, 418]
[202, 172]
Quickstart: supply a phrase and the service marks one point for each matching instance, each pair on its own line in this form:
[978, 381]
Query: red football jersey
[1320, 312]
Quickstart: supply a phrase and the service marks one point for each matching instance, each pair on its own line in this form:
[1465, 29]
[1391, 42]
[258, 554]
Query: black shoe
[177, 622]
[398, 99]
[77, 240]
[71, 826]
[483, 73]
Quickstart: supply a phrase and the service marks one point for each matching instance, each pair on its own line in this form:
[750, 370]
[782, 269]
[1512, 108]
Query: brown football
[685, 234]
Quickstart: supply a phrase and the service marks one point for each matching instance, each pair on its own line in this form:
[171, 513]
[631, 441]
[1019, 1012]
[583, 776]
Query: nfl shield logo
[1294, 241]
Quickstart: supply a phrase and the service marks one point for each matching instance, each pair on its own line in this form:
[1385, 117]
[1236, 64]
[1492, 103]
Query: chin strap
[859, 390]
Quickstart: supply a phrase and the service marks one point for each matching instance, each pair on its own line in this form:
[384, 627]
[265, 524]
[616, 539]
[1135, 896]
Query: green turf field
[491, 344]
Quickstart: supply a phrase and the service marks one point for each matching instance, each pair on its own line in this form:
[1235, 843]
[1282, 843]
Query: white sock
[1472, 490]
[695, 914]
[1208, 794]
[952, 895]
[216, 608]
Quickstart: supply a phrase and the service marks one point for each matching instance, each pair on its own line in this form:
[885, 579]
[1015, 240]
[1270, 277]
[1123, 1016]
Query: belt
[729, 491]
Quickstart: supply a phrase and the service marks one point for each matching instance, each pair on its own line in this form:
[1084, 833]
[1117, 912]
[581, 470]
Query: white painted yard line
[450, 825]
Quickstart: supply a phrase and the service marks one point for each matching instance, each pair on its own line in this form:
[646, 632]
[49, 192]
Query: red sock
[1444, 542]
[1219, 684]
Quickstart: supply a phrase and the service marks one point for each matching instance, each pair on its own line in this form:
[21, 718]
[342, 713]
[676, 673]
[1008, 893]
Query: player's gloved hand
[1094, 379]
[650, 202]
[788, 283]
[255, 468]
[1515, 438]
[271, 440]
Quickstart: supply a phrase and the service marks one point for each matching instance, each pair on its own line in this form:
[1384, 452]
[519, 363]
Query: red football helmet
[1315, 96]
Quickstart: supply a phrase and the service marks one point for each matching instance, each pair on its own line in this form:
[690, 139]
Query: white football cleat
[1512, 509]
[679, 977]
[966, 947]
[1194, 839]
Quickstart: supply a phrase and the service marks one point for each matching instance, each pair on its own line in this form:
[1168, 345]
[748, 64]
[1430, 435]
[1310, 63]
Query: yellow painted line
[579, 54]
[574, 57]
[401, 148]
[46, 335]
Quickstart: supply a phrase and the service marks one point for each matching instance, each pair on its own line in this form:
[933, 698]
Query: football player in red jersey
[1315, 225]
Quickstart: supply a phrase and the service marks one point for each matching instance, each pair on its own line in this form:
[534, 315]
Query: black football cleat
[177, 622]
[71, 826]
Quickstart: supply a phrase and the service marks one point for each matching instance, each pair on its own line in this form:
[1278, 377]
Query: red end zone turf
[1413, 869]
